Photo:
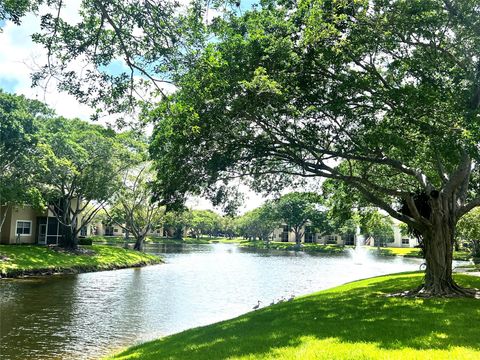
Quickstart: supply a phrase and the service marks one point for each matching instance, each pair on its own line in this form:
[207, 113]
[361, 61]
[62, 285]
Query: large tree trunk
[68, 225]
[439, 243]
[178, 235]
[69, 239]
[139, 243]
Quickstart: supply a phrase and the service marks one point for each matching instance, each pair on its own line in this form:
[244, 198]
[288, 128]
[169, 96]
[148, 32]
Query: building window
[331, 239]
[405, 241]
[309, 234]
[115, 230]
[285, 232]
[24, 227]
[83, 231]
[349, 239]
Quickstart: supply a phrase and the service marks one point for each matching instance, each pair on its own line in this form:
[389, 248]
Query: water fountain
[359, 254]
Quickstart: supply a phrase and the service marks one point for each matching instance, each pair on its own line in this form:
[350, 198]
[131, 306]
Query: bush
[85, 241]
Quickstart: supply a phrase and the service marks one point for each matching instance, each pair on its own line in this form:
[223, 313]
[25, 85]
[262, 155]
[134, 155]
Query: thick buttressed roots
[440, 290]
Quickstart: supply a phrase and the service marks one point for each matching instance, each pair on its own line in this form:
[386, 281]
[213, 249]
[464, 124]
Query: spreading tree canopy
[116, 55]
[258, 223]
[132, 207]
[297, 209]
[20, 160]
[376, 225]
[382, 96]
[205, 222]
[84, 164]
[468, 232]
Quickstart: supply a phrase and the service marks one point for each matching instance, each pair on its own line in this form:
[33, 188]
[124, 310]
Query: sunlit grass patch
[33, 259]
[309, 247]
[413, 252]
[353, 321]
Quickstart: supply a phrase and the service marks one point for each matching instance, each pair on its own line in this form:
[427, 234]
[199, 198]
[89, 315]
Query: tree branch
[466, 208]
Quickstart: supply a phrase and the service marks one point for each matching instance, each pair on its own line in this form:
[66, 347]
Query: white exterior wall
[9, 228]
[14, 214]
[397, 238]
[397, 235]
[318, 238]
[327, 239]
[156, 233]
[101, 229]
[323, 239]
[277, 235]
[118, 231]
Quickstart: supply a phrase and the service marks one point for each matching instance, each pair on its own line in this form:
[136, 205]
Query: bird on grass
[291, 297]
[257, 306]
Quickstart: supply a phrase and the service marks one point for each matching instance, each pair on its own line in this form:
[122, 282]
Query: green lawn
[32, 259]
[353, 321]
[414, 252]
[110, 239]
[224, 240]
[186, 240]
[311, 247]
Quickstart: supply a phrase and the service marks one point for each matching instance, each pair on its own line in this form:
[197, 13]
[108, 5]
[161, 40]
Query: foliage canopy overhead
[381, 95]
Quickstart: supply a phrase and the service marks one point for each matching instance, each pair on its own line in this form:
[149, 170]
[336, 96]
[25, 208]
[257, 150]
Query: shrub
[85, 241]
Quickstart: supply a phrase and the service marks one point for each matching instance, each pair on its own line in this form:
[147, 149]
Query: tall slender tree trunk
[3, 214]
[298, 237]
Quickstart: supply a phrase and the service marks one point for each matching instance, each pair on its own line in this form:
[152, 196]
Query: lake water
[89, 315]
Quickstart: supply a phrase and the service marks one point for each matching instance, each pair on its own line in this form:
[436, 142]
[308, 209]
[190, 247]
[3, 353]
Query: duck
[257, 306]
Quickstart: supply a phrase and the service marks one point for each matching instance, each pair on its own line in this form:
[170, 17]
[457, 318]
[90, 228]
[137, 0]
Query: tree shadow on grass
[362, 314]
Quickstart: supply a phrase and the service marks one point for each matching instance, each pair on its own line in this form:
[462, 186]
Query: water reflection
[88, 315]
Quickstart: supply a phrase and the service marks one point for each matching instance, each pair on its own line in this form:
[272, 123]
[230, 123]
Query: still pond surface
[89, 315]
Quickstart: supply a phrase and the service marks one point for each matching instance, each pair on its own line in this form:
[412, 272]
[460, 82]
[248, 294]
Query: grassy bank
[18, 260]
[337, 249]
[224, 240]
[414, 252]
[309, 247]
[353, 321]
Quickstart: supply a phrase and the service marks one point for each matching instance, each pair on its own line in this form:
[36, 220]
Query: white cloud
[20, 55]
[252, 200]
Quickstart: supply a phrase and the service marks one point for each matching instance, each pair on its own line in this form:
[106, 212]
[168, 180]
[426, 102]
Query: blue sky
[19, 42]
[19, 56]
[115, 68]
[8, 85]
